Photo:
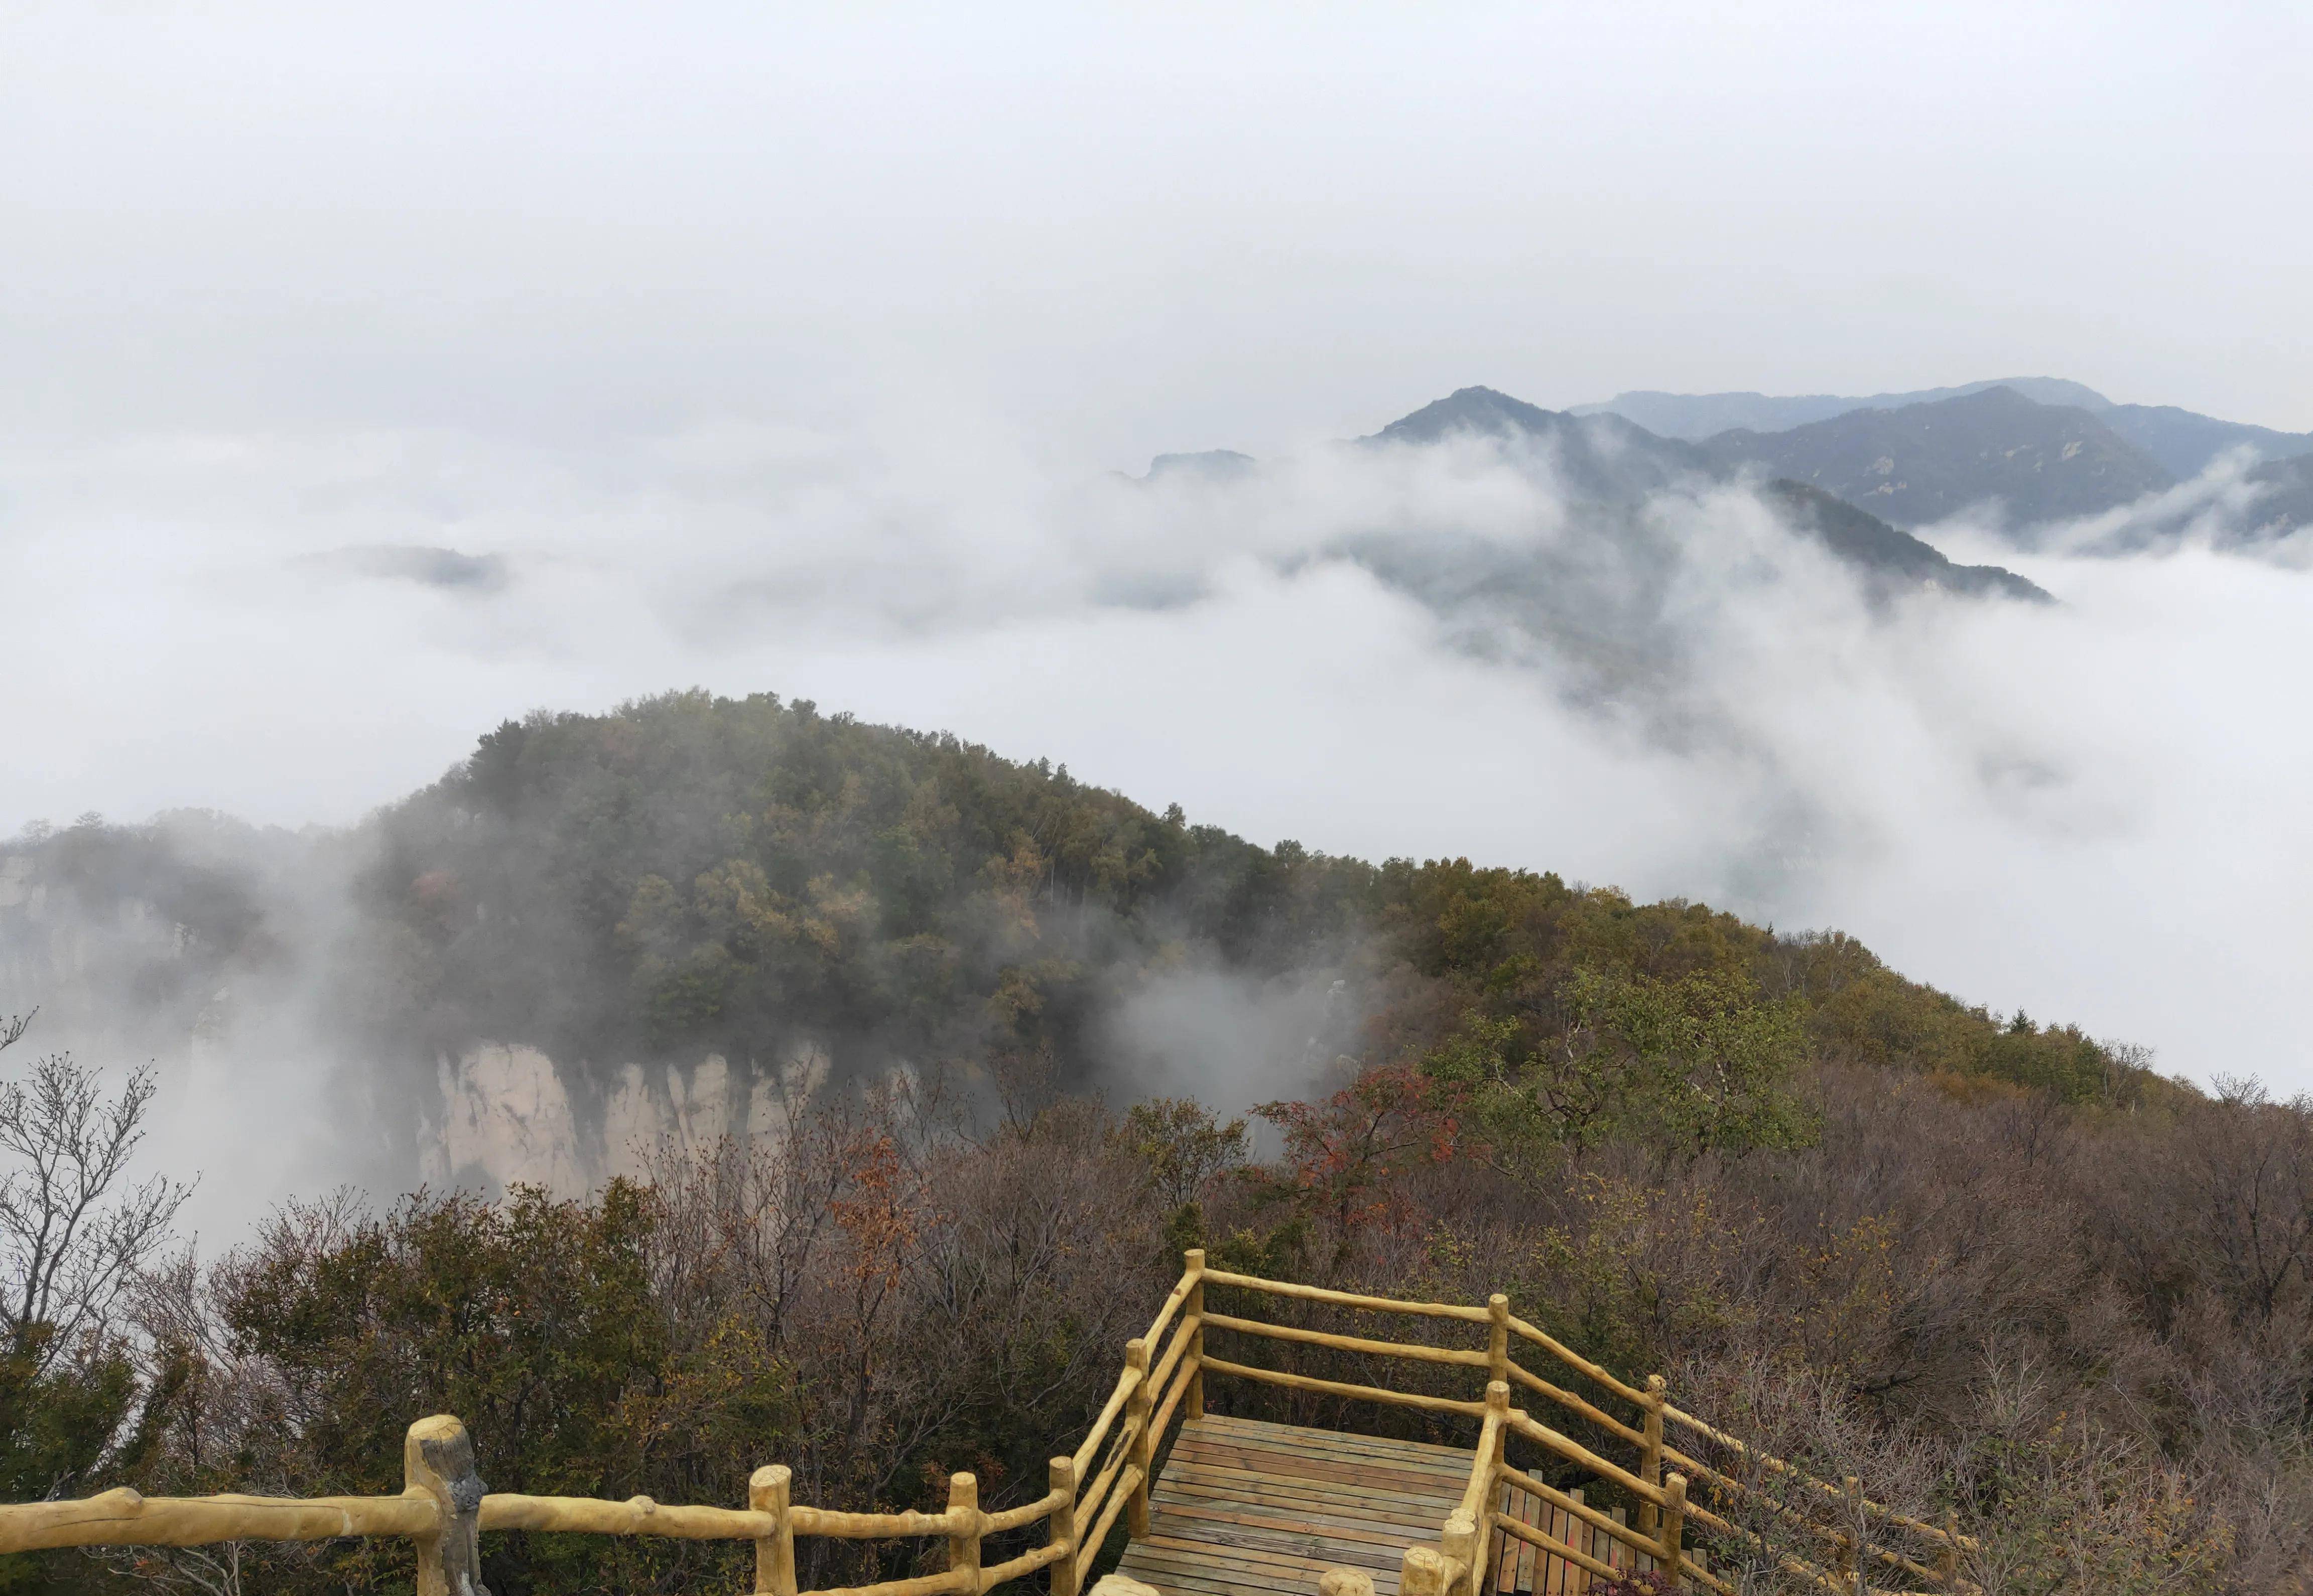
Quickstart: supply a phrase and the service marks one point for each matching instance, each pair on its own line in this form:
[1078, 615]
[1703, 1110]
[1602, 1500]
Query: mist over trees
[2021, 1275]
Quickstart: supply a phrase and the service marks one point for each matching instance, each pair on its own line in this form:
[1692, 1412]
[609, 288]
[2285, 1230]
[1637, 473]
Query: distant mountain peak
[1472, 409]
[1599, 458]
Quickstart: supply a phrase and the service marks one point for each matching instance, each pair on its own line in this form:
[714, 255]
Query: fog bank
[2088, 811]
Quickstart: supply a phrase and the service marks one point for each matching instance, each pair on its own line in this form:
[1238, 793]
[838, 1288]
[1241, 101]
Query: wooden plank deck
[1245, 1508]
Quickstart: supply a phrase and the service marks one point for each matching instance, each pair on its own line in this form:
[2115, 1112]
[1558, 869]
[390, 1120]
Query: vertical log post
[1498, 1403]
[1460, 1545]
[1193, 1406]
[1948, 1559]
[1060, 1475]
[768, 1491]
[437, 1460]
[1498, 1338]
[964, 1549]
[1137, 1453]
[1423, 1572]
[1673, 1536]
[1650, 1450]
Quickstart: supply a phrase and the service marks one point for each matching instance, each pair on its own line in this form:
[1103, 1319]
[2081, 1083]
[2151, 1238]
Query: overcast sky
[775, 352]
[1129, 229]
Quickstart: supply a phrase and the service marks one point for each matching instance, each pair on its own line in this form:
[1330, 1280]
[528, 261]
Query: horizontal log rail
[1105, 1482]
[1582, 1457]
[1345, 1299]
[1576, 1361]
[1573, 1403]
[1578, 1406]
[1337, 1388]
[1785, 1514]
[1469, 1357]
[1567, 1501]
[125, 1518]
[1774, 1465]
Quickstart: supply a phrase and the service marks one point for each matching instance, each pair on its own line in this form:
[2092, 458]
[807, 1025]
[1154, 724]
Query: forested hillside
[2006, 1269]
[729, 874]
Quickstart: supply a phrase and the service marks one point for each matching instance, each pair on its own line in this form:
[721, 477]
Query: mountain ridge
[2183, 442]
[1922, 463]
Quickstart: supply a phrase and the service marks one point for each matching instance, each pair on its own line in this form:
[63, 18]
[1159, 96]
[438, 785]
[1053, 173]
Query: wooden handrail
[1393, 1349]
[1574, 1452]
[1183, 1337]
[1184, 1384]
[443, 1508]
[1577, 1405]
[1576, 1361]
[1335, 1388]
[1777, 1465]
[1791, 1515]
[640, 1515]
[1345, 1299]
[125, 1518]
[1085, 1452]
[1125, 1485]
[1566, 1503]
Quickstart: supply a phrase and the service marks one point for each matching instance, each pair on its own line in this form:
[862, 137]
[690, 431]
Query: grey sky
[773, 352]
[1123, 230]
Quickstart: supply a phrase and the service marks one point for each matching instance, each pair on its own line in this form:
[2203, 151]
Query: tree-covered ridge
[738, 874]
[731, 873]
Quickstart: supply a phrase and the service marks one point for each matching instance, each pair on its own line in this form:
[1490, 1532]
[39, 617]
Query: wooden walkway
[1245, 1508]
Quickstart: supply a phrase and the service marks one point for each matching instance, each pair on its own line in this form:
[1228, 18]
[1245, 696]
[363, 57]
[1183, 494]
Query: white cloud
[2089, 811]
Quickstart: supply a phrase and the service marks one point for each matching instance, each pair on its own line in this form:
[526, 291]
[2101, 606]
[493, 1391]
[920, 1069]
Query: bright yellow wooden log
[1334, 1387]
[775, 1567]
[1061, 1472]
[1466, 1357]
[125, 1518]
[1318, 1293]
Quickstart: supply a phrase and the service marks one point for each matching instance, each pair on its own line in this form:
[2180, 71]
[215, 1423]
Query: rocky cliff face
[127, 963]
[506, 1113]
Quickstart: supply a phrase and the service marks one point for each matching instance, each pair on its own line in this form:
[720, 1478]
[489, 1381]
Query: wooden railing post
[1138, 1451]
[1497, 1402]
[1650, 1449]
[1193, 1404]
[1498, 1338]
[769, 1492]
[1948, 1559]
[963, 1550]
[1422, 1573]
[437, 1460]
[1461, 1544]
[1673, 1537]
[1060, 1475]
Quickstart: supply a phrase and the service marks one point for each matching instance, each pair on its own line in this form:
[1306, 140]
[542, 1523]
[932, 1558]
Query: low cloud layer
[2091, 811]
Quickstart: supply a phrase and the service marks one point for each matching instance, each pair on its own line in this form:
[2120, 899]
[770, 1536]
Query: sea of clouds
[2091, 810]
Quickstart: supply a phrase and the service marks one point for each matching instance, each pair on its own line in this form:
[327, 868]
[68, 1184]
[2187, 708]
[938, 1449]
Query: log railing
[443, 1508]
[1656, 1531]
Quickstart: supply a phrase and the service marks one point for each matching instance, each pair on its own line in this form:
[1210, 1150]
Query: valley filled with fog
[1493, 642]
